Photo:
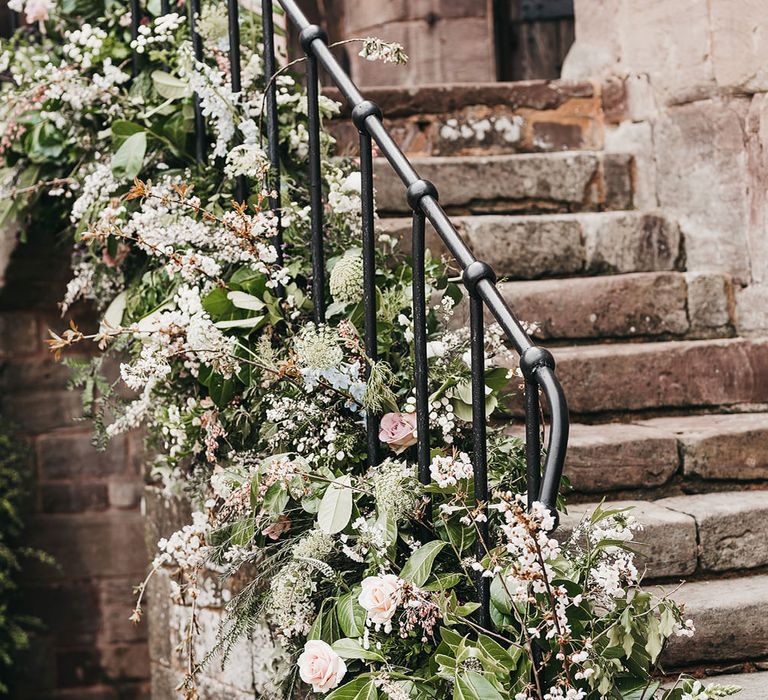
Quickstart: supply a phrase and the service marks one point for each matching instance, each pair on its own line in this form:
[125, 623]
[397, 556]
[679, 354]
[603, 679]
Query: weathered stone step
[541, 182]
[675, 374]
[558, 245]
[648, 454]
[642, 304]
[731, 619]
[485, 118]
[700, 534]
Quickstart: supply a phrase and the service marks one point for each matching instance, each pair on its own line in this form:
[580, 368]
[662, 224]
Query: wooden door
[532, 37]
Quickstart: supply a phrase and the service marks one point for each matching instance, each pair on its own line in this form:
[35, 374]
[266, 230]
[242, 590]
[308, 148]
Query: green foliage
[15, 626]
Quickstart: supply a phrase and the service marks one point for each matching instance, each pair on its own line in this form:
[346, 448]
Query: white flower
[379, 598]
[346, 280]
[320, 666]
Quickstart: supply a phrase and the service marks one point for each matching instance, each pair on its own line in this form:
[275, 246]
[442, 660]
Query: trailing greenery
[15, 626]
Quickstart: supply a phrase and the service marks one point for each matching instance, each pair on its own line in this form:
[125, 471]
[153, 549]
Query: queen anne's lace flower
[346, 280]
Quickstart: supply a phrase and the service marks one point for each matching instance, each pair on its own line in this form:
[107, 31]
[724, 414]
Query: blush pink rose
[320, 666]
[398, 430]
[379, 598]
[37, 10]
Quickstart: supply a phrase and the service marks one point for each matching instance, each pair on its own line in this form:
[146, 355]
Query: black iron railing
[537, 364]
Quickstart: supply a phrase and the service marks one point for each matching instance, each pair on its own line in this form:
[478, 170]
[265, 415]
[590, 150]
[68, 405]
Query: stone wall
[86, 503]
[447, 41]
[688, 82]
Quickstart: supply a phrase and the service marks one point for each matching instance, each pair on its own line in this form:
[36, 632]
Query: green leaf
[443, 582]
[245, 301]
[113, 316]
[655, 640]
[351, 615]
[169, 86]
[352, 690]
[471, 685]
[217, 303]
[352, 649]
[129, 158]
[276, 499]
[251, 322]
[494, 651]
[336, 506]
[419, 566]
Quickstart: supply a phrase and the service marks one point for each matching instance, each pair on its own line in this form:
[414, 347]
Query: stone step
[700, 534]
[484, 118]
[559, 245]
[641, 304]
[686, 374]
[753, 685]
[731, 619]
[537, 182]
[650, 453]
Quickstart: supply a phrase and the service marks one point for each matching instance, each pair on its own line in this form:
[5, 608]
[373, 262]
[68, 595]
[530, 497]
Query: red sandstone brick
[90, 544]
[633, 305]
[633, 377]
[73, 497]
[72, 456]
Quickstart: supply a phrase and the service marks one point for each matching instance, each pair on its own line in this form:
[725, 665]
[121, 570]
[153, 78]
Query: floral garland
[365, 577]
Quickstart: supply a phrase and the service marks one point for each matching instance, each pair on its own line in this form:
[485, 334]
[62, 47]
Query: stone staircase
[669, 405]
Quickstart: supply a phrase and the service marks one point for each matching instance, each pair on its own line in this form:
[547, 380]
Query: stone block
[431, 51]
[731, 618]
[125, 494]
[633, 305]
[70, 455]
[69, 610]
[711, 305]
[703, 181]
[636, 139]
[739, 45]
[666, 545]
[39, 374]
[88, 544]
[75, 497]
[117, 599]
[157, 618]
[42, 411]
[733, 447]
[730, 526]
[163, 515]
[125, 661]
[751, 303]
[630, 242]
[572, 181]
[18, 335]
[631, 377]
[620, 456]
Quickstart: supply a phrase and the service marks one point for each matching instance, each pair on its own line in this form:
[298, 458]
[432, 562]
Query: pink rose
[379, 598]
[320, 666]
[398, 430]
[37, 10]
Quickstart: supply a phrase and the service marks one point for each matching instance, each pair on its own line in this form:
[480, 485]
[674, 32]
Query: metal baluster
[473, 274]
[135, 20]
[197, 50]
[13, 21]
[416, 192]
[532, 441]
[420, 366]
[359, 116]
[233, 13]
[308, 36]
[165, 7]
[273, 145]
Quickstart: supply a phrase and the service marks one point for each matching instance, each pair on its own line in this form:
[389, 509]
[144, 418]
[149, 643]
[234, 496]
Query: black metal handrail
[537, 364]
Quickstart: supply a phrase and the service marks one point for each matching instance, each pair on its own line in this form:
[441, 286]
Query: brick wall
[86, 503]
